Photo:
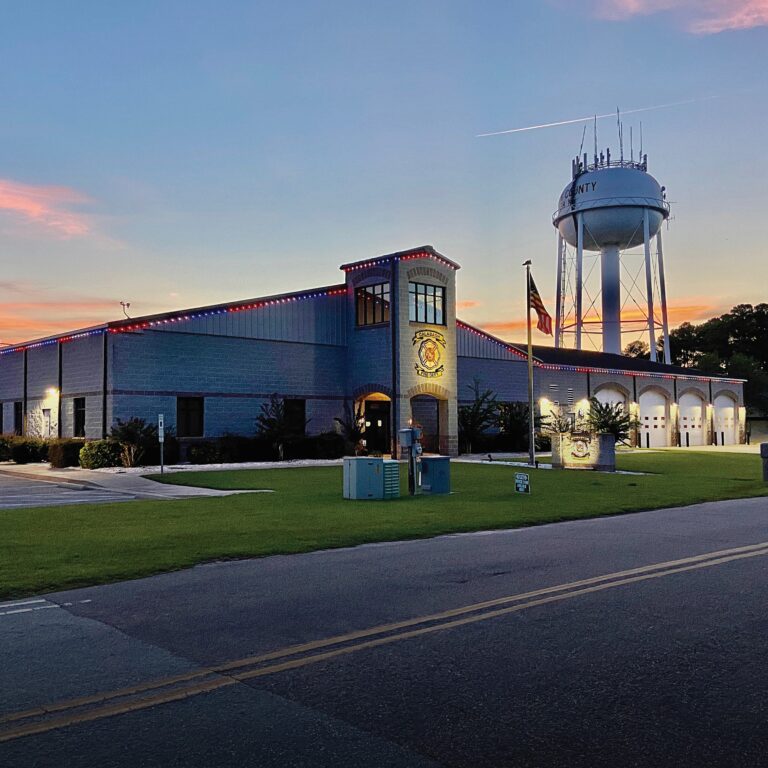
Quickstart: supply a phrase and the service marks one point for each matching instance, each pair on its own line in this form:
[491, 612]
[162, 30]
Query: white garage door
[611, 396]
[653, 420]
[692, 416]
[725, 420]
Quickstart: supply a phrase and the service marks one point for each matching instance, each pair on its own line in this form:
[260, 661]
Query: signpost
[161, 439]
[522, 482]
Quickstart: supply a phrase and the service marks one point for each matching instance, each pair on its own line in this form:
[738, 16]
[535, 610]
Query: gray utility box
[368, 478]
[435, 474]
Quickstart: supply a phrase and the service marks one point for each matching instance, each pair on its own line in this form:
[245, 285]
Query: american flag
[545, 320]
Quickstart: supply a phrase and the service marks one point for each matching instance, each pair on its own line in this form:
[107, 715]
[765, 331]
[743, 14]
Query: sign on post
[161, 440]
[522, 482]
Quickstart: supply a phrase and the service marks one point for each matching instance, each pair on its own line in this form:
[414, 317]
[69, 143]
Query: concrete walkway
[132, 485]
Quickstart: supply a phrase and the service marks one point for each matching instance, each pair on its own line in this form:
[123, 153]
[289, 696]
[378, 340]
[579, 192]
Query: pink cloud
[467, 304]
[45, 206]
[704, 17]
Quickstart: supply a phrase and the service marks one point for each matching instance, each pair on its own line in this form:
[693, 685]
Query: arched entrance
[611, 396]
[654, 419]
[692, 416]
[725, 420]
[425, 412]
[376, 409]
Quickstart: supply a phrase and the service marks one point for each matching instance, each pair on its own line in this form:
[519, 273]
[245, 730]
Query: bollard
[764, 457]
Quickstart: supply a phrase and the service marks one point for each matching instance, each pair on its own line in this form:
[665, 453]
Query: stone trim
[360, 277]
[427, 272]
[369, 389]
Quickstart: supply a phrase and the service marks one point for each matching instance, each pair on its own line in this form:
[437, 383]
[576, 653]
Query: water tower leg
[649, 285]
[579, 275]
[663, 290]
[610, 276]
[559, 307]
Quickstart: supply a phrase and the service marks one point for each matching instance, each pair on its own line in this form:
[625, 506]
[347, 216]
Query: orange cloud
[686, 310]
[467, 304]
[25, 320]
[45, 206]
[705, 17]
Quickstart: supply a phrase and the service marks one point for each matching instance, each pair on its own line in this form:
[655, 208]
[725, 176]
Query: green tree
[478, 416]
[351, 425]
[637, 349]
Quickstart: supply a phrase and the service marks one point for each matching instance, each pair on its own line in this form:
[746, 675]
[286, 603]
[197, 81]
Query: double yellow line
[121, 701]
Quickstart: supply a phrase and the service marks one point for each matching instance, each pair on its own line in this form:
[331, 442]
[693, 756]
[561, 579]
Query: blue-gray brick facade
[310, 346]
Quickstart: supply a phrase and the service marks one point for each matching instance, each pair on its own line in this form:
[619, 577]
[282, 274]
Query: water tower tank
[610, 207]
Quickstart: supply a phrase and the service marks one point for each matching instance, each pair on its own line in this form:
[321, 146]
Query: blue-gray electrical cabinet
[371, 478]
[435, 474]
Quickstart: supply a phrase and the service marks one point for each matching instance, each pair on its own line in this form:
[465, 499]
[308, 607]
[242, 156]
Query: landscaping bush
[25, 450]
[170, 450]
[331, 445]
[65, 452]
[5, 447]
[204, 453]
[100, 453]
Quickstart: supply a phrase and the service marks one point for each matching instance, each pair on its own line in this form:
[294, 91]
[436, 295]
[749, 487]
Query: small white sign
[522, 482]
[160, 427]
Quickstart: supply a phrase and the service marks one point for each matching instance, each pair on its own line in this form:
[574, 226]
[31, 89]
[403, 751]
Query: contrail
[599, 117]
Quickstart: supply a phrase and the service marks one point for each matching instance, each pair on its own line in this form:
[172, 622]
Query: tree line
[734, 344]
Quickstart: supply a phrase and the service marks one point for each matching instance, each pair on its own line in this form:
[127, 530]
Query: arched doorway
[611, 396]
[725, 420]
[376, 408]
[425, 412]
[692, 415]
[654, 418]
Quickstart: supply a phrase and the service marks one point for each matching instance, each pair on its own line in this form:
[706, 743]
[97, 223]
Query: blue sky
[173, 154]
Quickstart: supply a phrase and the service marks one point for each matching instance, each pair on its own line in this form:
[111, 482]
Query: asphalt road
[562, 645]
[18, 492]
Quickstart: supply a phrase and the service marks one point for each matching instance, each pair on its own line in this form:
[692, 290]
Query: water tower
[610, 207]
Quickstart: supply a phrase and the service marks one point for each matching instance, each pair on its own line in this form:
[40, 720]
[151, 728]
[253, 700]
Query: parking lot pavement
[18, 492]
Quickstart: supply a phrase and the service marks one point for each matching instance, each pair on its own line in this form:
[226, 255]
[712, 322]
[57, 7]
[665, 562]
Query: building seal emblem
[429, 353]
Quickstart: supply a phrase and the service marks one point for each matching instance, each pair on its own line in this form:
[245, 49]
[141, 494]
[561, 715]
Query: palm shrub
[275, 426]
[610, 419]
[134, 436]
[351, 426]
[477, 417]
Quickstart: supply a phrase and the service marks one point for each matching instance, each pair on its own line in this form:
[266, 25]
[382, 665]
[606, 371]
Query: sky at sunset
[175, 154]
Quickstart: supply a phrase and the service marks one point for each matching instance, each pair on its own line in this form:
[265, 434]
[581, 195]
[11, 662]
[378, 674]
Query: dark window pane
[190, 416]
[18, 417]
[79, 417]
[295, 415]
[372, 304]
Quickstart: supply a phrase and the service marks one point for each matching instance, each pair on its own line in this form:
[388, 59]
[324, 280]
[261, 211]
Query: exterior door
[691, 420]
[725, 420]
[653, 420]
[425, 411]
[377, 426]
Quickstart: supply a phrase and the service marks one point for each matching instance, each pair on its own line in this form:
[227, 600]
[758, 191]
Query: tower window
[426, 303]
[372, 304]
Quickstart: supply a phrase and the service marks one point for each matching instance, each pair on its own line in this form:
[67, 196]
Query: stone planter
[582, 450]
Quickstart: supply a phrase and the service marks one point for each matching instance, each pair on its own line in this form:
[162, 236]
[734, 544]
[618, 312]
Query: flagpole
[531, 425]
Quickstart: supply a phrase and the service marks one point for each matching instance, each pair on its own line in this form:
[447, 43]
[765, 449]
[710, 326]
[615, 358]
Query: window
[18, 417]
[1, 419]
[190, 416]
[372, 304]
[295, 415]
[426, 303]
[79, 417]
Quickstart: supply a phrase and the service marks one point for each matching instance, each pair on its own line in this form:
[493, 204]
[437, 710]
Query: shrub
[135, 436]
[24, 450]
[330, 445]
[204, 453]
[5, 447]
[100, 453]
[65, 452]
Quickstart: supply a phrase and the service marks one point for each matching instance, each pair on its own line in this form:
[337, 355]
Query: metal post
[764, 457]
[663, 289]
[649, 285]
[560, 292]
[531, 420]
[610, 275]
[579, 275]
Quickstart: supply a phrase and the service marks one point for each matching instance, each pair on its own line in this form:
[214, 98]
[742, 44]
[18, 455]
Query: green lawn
[43, 549]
